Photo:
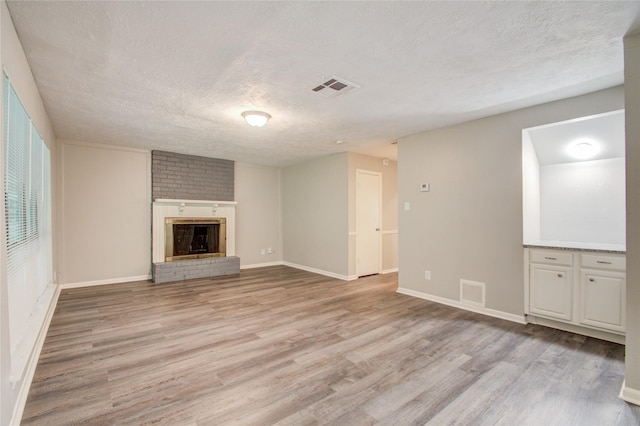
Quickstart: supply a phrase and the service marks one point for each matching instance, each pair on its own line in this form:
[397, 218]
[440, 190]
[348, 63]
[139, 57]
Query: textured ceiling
[176, 76]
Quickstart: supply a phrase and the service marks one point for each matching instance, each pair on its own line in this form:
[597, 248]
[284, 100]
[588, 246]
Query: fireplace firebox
[194, 238]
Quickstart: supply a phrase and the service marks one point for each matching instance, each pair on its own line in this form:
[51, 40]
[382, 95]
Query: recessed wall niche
[574, 183]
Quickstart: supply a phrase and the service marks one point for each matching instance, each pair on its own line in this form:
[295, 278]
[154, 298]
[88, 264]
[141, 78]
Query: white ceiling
[605, 131]
[176, 76]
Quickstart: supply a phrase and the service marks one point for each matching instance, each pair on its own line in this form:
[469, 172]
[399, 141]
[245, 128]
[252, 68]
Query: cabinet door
[602, 295]
[550, 290]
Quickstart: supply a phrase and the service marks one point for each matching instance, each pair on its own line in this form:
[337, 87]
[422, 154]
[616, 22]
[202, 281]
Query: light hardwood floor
[279, 345]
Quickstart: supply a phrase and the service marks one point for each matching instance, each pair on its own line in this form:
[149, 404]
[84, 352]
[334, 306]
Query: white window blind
[28, 217]
[16, 155]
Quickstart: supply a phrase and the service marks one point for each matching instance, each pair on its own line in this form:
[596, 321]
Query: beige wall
[470, 225]
[105, 220]
[109, 186]
[315, 200]
[17, 69]
[632, 123]
[389, 209]
[258, 215]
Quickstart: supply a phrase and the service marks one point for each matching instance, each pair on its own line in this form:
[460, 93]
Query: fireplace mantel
[163, 208]
[193, 202]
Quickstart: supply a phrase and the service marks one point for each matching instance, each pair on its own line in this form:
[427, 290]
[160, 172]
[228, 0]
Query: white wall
[258, 215]
[315, 200]
[632, 154]
[531, 191]
[583, 202]
[105, 220]
[13, 389]
[389, 209]
[470, 225]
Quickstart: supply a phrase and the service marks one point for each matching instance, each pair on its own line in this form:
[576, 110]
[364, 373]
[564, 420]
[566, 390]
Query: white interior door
[368, 222]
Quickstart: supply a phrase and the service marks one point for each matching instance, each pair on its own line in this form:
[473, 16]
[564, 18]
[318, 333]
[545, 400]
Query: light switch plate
[425, 187]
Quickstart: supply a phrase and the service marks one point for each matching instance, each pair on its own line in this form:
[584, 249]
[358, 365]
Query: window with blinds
[27, 213]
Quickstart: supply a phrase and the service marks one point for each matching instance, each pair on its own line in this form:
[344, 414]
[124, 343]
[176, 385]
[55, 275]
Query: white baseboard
[320, 271]
[629, 394]
[32, 362]
[103, 282]
[388, 271]
[456, 304]
[262, 265]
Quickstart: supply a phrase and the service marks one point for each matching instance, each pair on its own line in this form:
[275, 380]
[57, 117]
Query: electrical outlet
[427, 275]
[270, 250]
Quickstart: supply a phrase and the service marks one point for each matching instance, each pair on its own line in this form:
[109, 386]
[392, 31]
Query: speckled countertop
[577, 246]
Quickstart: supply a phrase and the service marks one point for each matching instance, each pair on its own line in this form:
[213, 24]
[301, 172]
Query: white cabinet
[551, 291]
[584, 289]
[602, 291]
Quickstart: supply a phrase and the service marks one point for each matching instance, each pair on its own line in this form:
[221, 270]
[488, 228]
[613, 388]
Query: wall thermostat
[425, 187]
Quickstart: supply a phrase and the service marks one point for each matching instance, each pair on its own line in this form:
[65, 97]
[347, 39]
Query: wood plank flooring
[281, 346]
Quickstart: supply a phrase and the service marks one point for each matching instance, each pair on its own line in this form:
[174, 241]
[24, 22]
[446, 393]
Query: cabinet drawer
[598, 261]
[551, 257]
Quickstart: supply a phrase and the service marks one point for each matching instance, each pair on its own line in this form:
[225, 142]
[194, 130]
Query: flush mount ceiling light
[256, 118]
[583, 149]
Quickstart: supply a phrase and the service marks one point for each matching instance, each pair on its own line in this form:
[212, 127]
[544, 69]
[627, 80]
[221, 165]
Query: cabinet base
[598, 334]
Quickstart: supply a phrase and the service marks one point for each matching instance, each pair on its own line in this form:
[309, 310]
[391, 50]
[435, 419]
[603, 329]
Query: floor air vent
[334, 87]
[472, 293]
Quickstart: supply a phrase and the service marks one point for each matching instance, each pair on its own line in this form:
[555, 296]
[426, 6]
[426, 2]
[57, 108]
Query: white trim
[629, 394]
[388, 271]
[454, 303]
[206, 202]
[321, 272]
[32, 362]
[388, 232]
[61, 268]
[103, 282]
[163, 208]
[104, 146]
[262, 265]
[527, 284]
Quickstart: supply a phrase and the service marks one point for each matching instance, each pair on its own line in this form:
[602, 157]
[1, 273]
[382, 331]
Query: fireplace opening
[194, 238]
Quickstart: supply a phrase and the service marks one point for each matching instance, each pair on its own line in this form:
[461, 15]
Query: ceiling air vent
[334, 87]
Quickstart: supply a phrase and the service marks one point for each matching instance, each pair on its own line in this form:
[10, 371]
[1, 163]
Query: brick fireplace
[199, 191]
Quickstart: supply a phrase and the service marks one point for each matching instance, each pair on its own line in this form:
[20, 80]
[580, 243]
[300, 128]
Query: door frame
[360, 172]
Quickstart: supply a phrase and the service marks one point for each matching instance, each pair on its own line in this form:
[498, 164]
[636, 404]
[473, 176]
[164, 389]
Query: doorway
[368, 222]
